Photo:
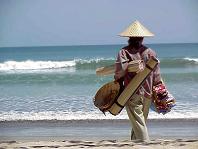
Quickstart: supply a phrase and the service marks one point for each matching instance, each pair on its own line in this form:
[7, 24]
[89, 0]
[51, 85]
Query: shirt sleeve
[156, 73]
[121, 65]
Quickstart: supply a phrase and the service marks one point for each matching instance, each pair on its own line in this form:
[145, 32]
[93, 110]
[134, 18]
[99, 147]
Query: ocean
[59, 82]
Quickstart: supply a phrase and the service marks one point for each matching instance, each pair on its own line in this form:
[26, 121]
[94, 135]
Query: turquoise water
[60, 82]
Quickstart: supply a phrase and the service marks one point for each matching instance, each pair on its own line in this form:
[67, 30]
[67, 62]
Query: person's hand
[140, 67]
[137, 68]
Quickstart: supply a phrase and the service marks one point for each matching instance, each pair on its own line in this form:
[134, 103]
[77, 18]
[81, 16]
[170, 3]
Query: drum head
[106, 95]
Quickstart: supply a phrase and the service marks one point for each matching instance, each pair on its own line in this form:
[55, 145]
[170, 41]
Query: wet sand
[167, 133]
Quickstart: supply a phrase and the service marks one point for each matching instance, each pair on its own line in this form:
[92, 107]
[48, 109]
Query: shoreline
[95, 129]
[82, 122]
[97, 120]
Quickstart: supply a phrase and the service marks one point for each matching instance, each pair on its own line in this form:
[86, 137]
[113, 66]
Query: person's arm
[157, 76]
[121, 65]
[149, 53]
[156, 73]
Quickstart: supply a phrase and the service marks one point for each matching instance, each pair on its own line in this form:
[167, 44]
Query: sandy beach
[103, 134]
[50, 52]
[103, 144]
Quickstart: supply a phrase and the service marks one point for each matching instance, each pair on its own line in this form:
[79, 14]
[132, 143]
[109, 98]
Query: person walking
[137, 106]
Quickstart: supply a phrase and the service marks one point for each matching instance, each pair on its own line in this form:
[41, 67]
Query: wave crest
[40, 65]
[92, 63]
[35, 65]
[178, 62]
[195, 60]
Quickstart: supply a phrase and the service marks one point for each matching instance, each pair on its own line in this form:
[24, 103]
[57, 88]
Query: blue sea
[59, 82]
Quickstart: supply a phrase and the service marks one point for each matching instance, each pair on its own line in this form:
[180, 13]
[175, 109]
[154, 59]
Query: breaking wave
[179, 62]
[85, 64]
[35, 65]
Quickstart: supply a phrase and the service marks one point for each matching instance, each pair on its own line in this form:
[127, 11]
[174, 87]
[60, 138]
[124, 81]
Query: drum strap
[149, 67]
[121, 106]
[132, 87]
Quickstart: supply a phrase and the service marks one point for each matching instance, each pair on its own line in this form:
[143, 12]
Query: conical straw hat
[136, 29]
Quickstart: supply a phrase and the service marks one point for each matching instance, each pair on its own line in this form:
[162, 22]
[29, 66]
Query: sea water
[59, 82]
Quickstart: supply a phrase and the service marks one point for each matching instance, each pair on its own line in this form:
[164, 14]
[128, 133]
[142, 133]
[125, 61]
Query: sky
[94, 22]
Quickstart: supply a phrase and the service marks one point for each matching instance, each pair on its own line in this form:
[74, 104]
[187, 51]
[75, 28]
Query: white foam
[192, 59]
[41, 65]
[96, 60]
[79, 115]
[173, 115]
[51, 115]
[35, 65]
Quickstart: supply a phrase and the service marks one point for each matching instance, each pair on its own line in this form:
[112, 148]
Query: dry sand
[103, 144]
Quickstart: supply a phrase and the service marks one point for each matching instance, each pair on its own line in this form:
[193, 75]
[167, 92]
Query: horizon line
[93, 45]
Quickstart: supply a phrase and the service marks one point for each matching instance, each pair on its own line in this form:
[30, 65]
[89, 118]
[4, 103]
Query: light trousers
[137, 109]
